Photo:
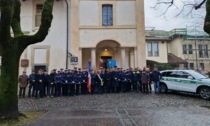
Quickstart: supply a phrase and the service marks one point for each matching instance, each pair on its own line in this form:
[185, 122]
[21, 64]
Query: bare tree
[187, 7]
[11, 48]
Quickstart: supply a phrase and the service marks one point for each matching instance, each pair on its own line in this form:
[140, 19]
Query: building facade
[179, 49]
[98, 29]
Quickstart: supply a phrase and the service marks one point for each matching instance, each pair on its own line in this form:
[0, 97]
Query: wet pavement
[131, 109]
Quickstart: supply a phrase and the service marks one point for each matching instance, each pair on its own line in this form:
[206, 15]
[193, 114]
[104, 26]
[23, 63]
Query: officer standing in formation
[74, 82]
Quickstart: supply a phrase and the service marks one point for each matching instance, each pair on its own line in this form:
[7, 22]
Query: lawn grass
[30, 117]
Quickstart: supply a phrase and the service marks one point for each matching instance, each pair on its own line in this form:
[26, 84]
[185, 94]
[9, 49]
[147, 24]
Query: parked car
[185, 81]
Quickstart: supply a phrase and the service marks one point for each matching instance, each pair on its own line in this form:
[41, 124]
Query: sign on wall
[24, 62]
[74, 60]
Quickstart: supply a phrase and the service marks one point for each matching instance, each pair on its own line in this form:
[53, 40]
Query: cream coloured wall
[55, 40]
[125, 13]
[175, 47]
[27, 16]
[163, 56]
[88, 13]
[90, 38]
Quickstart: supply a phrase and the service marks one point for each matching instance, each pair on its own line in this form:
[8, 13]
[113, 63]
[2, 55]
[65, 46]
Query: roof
[173, 59]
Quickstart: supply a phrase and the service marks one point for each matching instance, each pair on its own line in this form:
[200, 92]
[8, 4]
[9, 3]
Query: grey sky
[170, 21]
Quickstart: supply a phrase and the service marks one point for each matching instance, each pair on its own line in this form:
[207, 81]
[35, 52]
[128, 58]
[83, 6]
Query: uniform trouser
[22, 91]
[150, 86]
[100, 89]
[119, 88]
[135, 83]
[140, 86]
[48, 89]
[83, 88]
[125, 86]
[77, 88]
[129, 85]
[108, 86]
[145, 88]
[92, 88]
[31, 89]
[72, 89]
[41, 90]
[36, 90]
[44, 89]
[115, 86]
[65, 89]
[58, 89]
[52, 89]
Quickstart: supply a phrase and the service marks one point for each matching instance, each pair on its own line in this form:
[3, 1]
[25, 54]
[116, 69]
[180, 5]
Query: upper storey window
[39, 8]
[107, 15]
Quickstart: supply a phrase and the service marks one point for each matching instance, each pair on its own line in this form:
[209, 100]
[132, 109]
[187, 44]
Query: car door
[185, 82]
[169, 78]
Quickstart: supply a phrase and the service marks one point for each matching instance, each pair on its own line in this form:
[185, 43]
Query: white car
[185, 81]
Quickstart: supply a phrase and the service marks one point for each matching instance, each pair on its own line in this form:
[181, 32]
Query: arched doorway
[108, 50]
[107, 53]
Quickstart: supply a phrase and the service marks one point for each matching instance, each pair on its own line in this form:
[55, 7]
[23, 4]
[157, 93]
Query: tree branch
[46, 20]
[16, 19]
[170, 3]
[199, 5]
[6, 18]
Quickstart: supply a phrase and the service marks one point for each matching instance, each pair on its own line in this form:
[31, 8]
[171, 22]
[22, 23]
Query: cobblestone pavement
[130, 109]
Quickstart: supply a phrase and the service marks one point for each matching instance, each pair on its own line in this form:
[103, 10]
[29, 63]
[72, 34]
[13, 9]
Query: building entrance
[105, 61]
[37, 68]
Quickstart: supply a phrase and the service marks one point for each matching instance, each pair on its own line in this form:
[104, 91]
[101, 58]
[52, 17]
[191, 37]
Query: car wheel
[204, 93]
[163, 88]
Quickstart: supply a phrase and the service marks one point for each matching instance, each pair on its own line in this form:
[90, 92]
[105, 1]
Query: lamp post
[67, 32]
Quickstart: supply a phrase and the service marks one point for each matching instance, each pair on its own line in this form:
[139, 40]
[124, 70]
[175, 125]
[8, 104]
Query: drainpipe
[67, 33]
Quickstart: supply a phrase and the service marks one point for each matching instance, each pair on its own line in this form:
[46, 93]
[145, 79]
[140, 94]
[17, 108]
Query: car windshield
[197, 75]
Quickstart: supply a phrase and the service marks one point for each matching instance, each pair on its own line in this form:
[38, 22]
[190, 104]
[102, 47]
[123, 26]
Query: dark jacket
[156, 76]
[93, 79]
[145, 78]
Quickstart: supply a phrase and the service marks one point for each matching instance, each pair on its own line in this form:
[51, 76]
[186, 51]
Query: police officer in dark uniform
[116, 80]
[40, 84]
[108, 77]
[130, 78]
[52, 82]
[46, 84]
[135, 79]
[58, 83]
[72, 80]
[65, 82]
[32, 81]
[124, 77]
[93, 81]
[84, 82]
[78, 81]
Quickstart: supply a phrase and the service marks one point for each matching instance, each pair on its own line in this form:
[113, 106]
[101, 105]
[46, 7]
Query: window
[149, 47]
[156, 49]
[186, 65]
[203, 51]
[184, 47]
[39, 8]
[107, 15]
[191, 65]
[153, 49]
[187, 49]
[201, 66]
[190, 50]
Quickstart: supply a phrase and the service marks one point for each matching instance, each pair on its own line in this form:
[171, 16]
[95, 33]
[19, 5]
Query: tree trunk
[11, 49]
[8, 83]
[207, 18]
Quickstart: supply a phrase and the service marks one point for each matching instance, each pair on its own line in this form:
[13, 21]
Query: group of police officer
[72, 82]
